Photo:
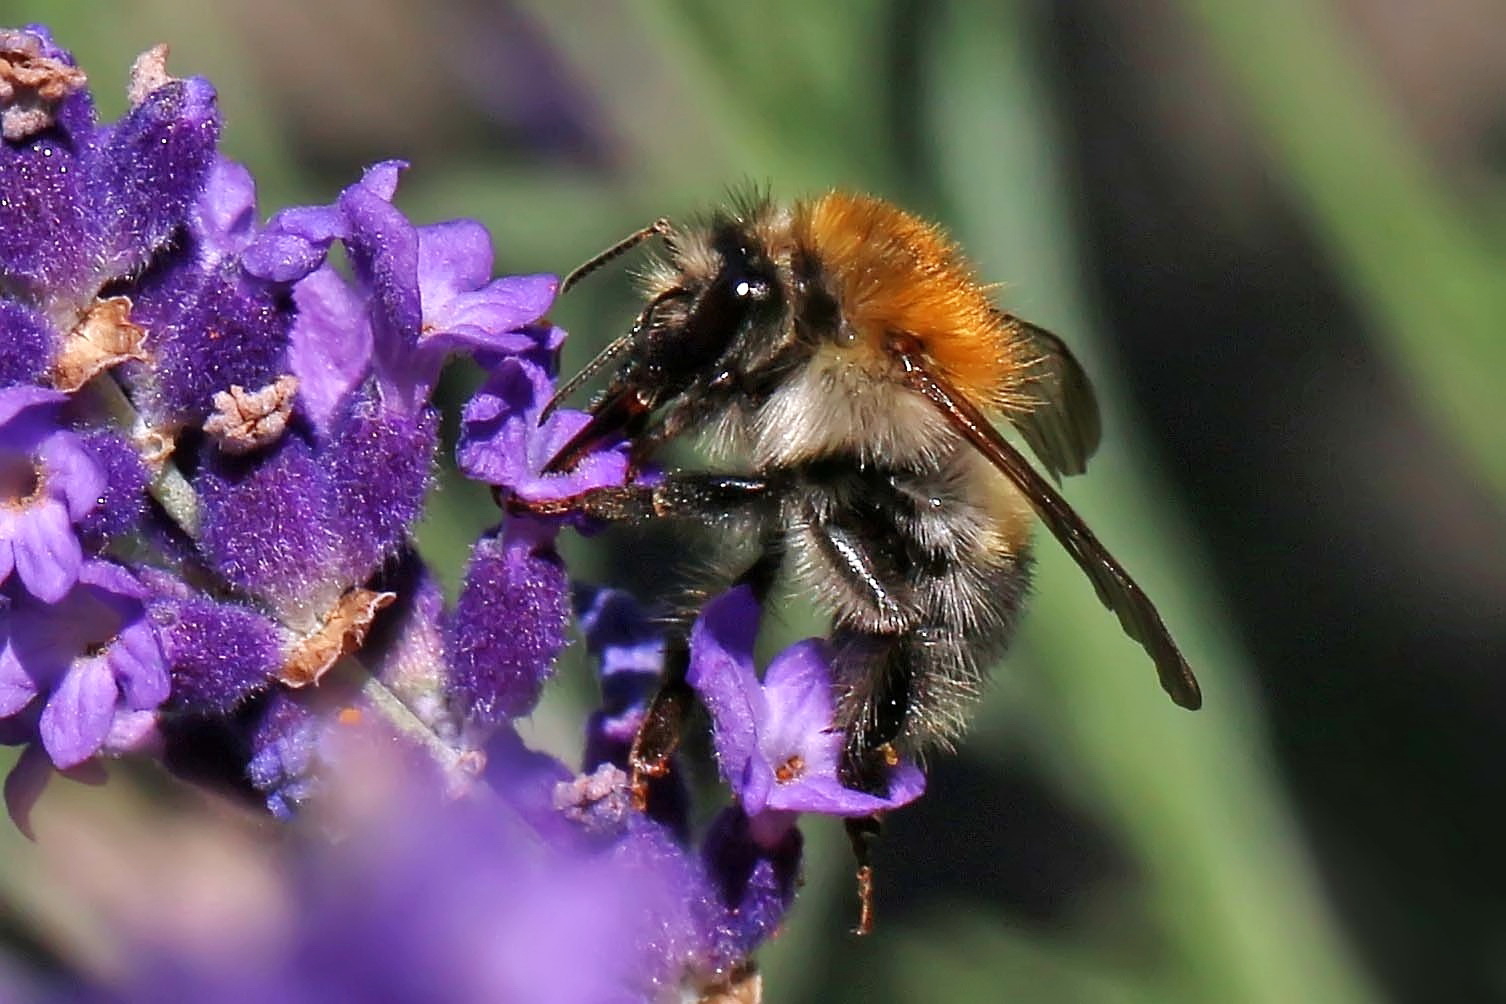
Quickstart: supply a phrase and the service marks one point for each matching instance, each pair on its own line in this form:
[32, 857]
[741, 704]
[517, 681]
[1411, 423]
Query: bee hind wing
[1116, 589]
[1063, 426]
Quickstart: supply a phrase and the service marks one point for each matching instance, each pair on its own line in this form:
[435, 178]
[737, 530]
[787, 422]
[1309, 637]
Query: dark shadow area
[1360, 560]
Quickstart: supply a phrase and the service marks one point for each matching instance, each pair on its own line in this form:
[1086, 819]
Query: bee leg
[680, 494]
[862, 831]
[659, 735]
[877, 672]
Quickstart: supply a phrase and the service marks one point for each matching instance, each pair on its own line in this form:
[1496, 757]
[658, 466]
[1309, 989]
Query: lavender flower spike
[49, 482]
[774, 741]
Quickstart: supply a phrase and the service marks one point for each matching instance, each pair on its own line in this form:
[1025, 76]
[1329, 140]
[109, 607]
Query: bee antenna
[618, 346]
[614, 349]
[658, 228]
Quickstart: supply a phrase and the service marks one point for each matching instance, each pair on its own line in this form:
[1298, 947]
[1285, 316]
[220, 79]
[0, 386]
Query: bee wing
[1120, 593]
[1063, 428]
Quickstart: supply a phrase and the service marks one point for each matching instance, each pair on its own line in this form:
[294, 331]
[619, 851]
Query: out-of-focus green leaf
[1227, 883]
[1429, 277]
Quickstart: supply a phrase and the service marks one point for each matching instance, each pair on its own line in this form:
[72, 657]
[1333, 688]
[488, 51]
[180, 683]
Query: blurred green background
[1274, 233]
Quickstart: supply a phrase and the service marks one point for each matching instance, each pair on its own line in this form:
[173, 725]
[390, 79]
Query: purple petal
[501, 442]
[17, 688]
[799, 691]
[24, 786]
[329, 346]
[296, 240]
[15, 400]
[135, 658]
[73, 475]
[77, 717]
[826, 794]
[133, 732]
[224, 218]
[722, 673]
[383, 248]
[452, 257]
[380, 179]
[115, 580]
[285, 257]
[489, 318]
[47, 553]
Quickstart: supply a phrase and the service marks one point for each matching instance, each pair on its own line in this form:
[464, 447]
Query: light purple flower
[774, 739]
[449, 901]
[502, 443]
[426, 292]
[49, 481]
[86, 659]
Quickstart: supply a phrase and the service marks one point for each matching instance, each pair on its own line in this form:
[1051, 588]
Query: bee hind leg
[659, 735]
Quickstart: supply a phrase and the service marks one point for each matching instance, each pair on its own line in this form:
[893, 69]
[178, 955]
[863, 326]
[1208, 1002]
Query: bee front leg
[677, 495]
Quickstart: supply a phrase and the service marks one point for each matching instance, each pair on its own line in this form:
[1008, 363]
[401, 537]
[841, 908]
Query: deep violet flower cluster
[216, 439]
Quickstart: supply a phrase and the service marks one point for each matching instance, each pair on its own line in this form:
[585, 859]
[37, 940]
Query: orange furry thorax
[894, 273]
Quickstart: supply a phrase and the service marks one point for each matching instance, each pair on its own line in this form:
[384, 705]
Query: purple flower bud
[122, 504]
[85, 204]
[27, 345]
[631, 653]
[218, 654]
[44, 88]
[376, 465]
[774, 740]
[630, 648]
[151, 168]
[756, 881]
[49, 482]
[509, 623]
[210, 324]
[264, 528]
[284, 747]
[84, 658]
[46, 224]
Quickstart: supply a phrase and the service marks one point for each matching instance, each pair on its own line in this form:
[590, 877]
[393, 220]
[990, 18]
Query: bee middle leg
[694, 495]
[677, 495]
[659, 735]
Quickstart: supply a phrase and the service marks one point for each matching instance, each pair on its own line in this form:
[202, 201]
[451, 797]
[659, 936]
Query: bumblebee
[843, 362]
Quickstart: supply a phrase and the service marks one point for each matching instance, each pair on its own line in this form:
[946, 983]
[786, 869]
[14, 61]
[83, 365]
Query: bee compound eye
[750, 289]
